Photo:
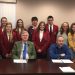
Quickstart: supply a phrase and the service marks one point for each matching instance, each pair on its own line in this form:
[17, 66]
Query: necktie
[24, 51]
[50, 30]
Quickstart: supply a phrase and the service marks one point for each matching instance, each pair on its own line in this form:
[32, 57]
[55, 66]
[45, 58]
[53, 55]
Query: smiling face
[42, 26]
[65, 26]
[8, 27]
[20, 23]
[3, 21]
[24, 36]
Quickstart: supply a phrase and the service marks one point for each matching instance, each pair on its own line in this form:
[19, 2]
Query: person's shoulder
[14, 29]
[55, 25]
[30, 42]
[64, 45]
[17, 42]
[46, 24]
[53, 45]
[14, 33]
[30, 27]
[69, 33]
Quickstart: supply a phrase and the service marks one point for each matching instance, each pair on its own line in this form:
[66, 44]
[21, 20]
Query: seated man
[24, 49]
[59, 50]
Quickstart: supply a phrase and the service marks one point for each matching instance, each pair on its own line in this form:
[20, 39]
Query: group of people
[39, 41]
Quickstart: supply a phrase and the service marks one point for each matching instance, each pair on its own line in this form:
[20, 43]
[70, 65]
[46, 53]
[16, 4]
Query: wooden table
[33, 66]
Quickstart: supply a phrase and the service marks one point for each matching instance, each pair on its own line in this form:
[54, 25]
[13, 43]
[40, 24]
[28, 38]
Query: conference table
[37, 66]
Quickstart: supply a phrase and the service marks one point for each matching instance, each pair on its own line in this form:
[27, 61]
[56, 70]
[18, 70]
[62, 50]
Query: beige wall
[62, 10]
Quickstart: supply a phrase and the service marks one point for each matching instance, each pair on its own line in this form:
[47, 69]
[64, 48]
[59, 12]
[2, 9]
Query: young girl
[41, 41]
[19, 28]
[8, 37]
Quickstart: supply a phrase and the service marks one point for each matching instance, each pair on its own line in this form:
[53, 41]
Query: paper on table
[66, 61]
[61, 61]
[19, 61]
[56, 61]
[67, 69]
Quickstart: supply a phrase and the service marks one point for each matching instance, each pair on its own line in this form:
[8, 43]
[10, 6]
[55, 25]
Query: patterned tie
[24, 52]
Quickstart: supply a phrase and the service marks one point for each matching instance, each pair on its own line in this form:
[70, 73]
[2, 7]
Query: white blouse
[41, 35]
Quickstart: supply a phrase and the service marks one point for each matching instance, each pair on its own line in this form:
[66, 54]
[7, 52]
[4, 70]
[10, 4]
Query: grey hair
[59, 36]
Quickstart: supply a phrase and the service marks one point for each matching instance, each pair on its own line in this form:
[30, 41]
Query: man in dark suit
[52, 29]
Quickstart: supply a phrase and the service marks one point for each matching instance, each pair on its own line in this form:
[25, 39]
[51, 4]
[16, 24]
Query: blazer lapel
[47, 28]
[38, 36]
[5, 35]
[20, 48]
[43, 35]
[28, 46]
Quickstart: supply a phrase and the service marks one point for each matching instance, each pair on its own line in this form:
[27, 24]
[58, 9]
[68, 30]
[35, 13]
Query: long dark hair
[62, 30]
[72, 32]
[40, 24]
[17, 26]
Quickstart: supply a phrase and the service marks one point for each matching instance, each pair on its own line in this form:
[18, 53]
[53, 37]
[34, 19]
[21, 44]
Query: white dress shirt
[27, 56]
[41, 35]
[51, 27]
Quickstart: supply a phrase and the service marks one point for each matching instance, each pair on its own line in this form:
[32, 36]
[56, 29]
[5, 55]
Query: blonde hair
[23, 31]
[10, 34]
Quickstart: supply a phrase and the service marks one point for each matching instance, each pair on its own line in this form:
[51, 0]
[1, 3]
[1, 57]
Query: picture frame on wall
[8, 1]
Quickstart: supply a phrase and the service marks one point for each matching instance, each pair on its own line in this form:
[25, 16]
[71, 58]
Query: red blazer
[17, 35]
[0, 30]
[44, 44]
[53, 34]
[0, 42]
[6, 46]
